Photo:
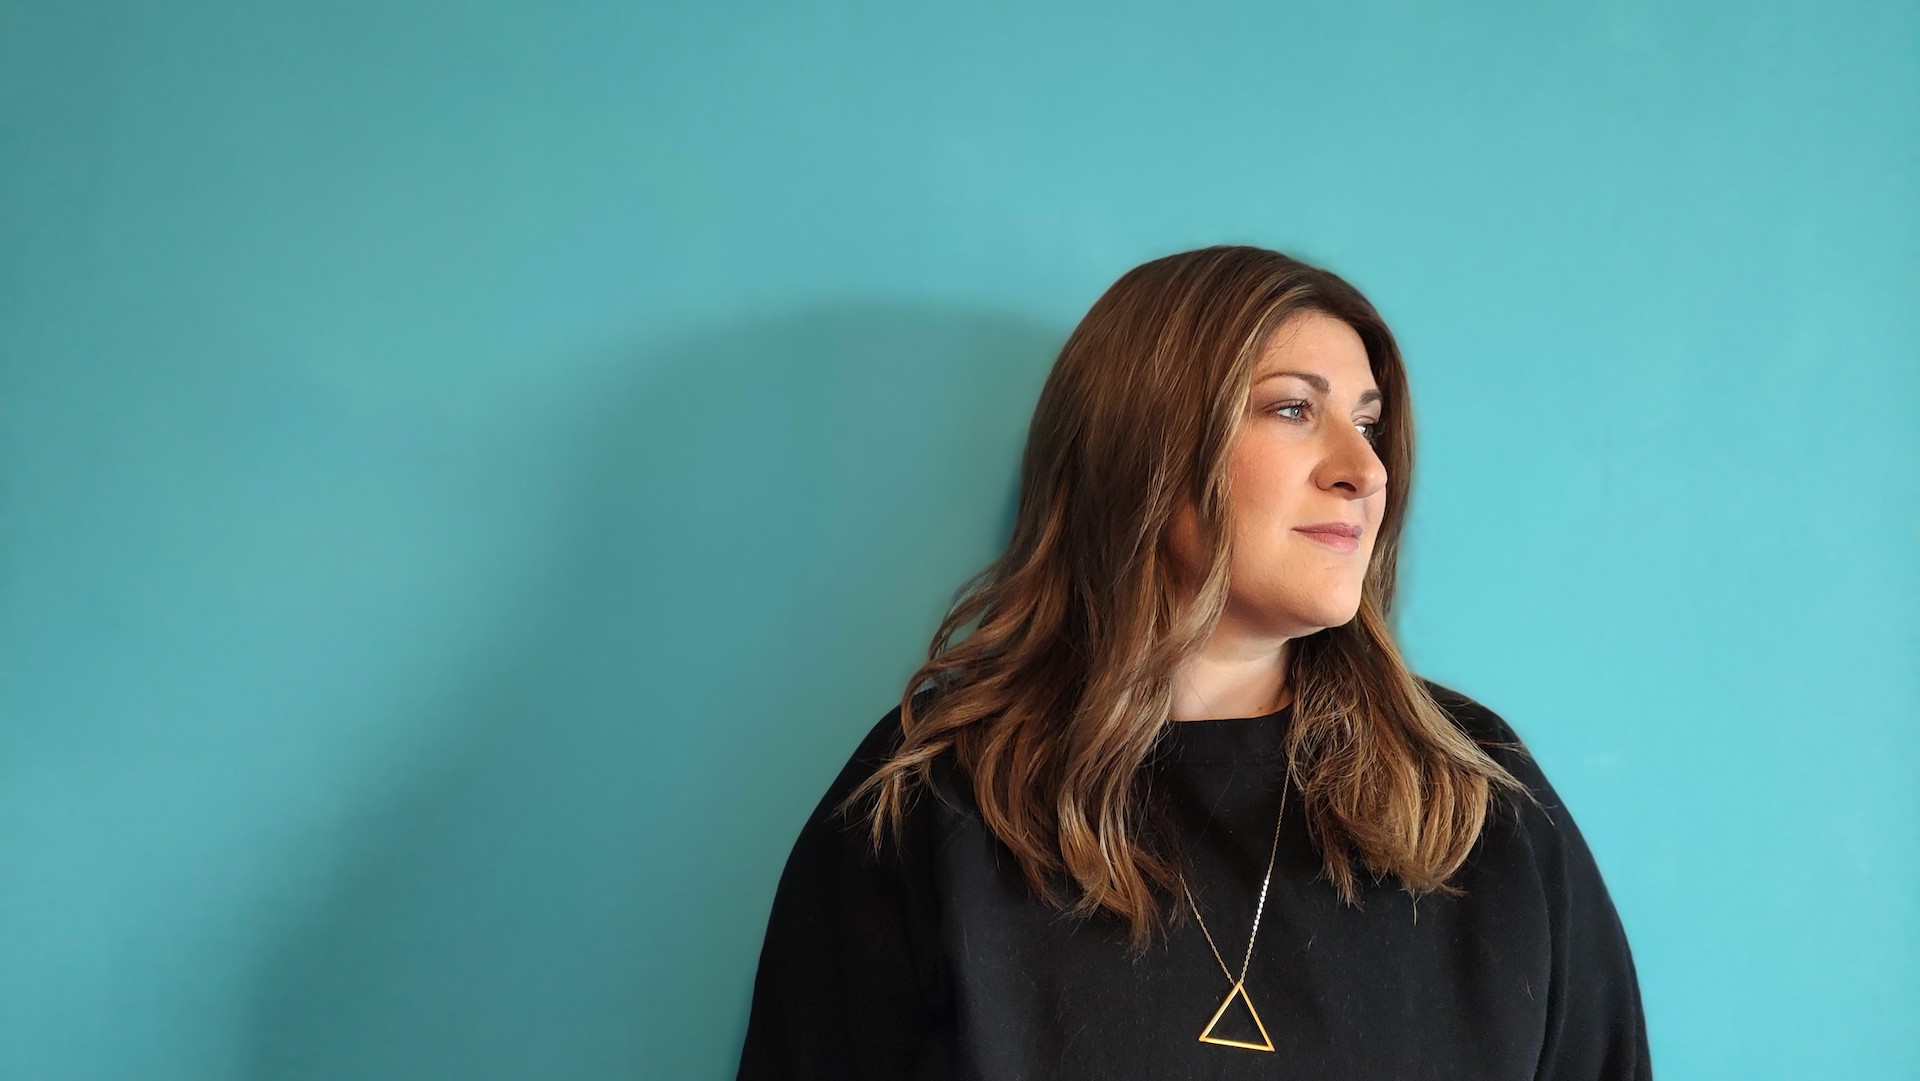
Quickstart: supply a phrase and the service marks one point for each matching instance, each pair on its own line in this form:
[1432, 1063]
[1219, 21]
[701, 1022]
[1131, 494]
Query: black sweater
[936, 962]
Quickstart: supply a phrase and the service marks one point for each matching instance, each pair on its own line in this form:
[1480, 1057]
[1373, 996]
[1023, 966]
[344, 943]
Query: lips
[1337, 529]
[1339, 536]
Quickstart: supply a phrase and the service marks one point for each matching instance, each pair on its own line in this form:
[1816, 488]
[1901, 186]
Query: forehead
[1320, 350]
[1317, 343]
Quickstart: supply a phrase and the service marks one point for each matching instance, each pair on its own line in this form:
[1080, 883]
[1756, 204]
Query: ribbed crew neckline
[1226, 739]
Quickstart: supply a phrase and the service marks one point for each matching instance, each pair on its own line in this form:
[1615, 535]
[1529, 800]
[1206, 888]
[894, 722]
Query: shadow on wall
[768, 523]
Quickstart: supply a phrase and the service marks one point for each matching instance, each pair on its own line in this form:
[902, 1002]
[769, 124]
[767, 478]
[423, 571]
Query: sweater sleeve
[1596, 1029]
[846, 988]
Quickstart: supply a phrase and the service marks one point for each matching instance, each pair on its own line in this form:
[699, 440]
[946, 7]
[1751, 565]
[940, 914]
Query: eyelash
[1373, 426]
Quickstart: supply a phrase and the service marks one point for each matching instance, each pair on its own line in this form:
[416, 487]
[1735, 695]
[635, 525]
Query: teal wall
[470, 473]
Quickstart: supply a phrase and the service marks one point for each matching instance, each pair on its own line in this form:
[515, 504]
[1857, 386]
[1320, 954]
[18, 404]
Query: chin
[1296, 614]
[1334, 615]
[1330, 622]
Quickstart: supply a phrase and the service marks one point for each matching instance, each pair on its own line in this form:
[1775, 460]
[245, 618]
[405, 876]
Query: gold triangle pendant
[1240, 992]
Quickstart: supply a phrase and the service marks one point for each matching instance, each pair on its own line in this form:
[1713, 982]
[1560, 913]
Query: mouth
[1339, 536]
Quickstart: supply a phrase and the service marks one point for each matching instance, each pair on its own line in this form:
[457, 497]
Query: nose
[1349, 464]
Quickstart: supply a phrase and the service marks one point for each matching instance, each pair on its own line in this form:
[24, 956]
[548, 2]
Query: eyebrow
[1319, 383]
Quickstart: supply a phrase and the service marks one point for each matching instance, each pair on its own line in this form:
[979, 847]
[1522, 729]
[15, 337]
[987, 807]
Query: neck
[1233, 678]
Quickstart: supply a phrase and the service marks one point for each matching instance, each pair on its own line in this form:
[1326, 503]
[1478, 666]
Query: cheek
[1267, 483]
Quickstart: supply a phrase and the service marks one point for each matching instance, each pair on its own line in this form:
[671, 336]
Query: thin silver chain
[1259, 908]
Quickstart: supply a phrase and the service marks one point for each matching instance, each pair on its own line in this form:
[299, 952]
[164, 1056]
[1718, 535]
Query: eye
[1372, 426]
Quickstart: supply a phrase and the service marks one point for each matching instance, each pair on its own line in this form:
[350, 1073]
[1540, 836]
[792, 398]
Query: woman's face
[1304, 458]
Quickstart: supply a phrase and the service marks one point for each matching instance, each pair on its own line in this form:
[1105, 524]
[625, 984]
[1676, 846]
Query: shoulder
[1473, 716]
[1560, 852]
[927, 811]
[1487, 728]
[1587, 928]
[1504, 744]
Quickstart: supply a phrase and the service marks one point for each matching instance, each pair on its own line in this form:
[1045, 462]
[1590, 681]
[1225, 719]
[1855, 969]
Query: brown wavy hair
[1056, 700]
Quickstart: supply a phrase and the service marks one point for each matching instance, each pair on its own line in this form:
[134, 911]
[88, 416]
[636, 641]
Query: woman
[1177, 808]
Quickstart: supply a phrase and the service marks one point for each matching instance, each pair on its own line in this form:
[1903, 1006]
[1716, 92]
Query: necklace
[1239, 990]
